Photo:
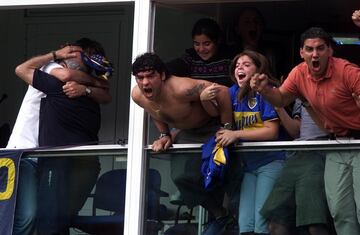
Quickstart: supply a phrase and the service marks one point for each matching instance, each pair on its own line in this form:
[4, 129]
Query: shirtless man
[175, 102]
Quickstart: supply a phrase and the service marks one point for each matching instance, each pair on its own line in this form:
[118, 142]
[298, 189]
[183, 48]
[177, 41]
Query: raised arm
[278, 97]
[356, 18]
[26, 70]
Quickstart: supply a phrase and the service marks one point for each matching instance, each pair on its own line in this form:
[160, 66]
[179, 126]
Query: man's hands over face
[68, 52]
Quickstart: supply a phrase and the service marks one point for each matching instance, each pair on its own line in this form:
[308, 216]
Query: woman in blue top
[255, 120]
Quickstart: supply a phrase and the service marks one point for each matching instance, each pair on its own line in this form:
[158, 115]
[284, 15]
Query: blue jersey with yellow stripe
[249, 114]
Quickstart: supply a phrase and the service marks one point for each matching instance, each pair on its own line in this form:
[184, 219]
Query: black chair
[187, 228]
[155, 211]
[110, 196]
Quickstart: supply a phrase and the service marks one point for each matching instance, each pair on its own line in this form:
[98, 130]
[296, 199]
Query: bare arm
[65, 75]
[100, 95]
[278, 97]
[78, 82]
[26, 70]
[225, 108]
[268, 132]
[164, 142]
[221, 96]
[207, 97]
[292, 125]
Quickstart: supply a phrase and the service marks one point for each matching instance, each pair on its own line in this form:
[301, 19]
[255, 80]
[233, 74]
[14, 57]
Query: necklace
[155, 110]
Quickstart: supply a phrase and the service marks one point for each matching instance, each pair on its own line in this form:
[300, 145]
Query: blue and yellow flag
[215, 160]
[9, 165]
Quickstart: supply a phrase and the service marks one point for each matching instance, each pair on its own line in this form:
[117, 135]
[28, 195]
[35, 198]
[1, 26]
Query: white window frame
[136, 162]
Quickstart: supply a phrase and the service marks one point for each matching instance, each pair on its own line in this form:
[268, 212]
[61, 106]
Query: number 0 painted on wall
[10, 181]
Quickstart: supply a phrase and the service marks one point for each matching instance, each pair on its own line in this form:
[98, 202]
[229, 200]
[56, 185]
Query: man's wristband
[54, 55]
[88, 91]
[164, 134]
[227, 126]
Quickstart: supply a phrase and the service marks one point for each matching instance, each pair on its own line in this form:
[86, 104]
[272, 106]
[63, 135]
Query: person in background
[249, 31]
[174, 101]
[331, 86]
[298, 197]
[208, 59]
[64, 184]
[255, 120]
[26, 131]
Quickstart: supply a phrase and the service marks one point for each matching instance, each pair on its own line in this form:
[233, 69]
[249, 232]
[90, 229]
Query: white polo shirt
[26, 129]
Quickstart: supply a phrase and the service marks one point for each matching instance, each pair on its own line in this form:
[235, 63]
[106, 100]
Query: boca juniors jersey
[249, 114]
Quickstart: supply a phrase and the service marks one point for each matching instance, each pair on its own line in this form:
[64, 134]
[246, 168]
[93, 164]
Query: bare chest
[179, 114]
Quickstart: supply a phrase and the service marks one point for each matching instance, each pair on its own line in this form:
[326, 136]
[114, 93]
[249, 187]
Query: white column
[135, 190]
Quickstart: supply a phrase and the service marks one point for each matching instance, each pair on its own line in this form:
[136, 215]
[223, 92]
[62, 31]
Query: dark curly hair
[90, 47]
[149, 61]
[208, 27]
[315, 32]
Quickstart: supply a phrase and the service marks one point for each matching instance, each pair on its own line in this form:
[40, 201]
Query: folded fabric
[215, 160]
[102, 67]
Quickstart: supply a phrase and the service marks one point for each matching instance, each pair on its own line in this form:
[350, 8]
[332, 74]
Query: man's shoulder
[39, 74]
[341, 62]
[46, 82]
[183, 85]
[177, 82]
[299, 70]
[136, 94]
[301, 66]
[186, 81]
[50, 66]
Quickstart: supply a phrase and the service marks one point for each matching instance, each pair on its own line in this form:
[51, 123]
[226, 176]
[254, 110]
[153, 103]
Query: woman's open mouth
[241, 75]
